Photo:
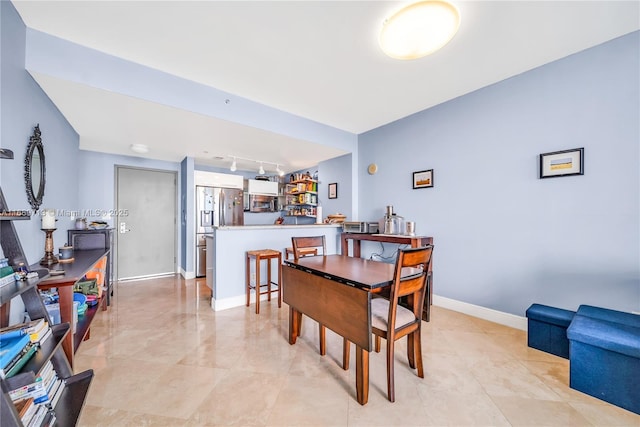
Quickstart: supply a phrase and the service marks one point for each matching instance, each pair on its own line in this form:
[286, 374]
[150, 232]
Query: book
[16, 359]
[47, 374]
[36, 335]
[35, 389]
[49, 382]
[10, 348]
[40, 337]
[32, 348]
[38, 417]
[55, 394]
[25, 327]
[25, 408]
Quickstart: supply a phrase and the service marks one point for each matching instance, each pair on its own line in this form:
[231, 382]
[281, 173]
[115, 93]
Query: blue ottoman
[605, 356]
[547, 329]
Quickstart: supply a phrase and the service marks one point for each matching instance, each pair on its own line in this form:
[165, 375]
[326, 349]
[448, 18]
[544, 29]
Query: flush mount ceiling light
[419, 29]
[139, 148]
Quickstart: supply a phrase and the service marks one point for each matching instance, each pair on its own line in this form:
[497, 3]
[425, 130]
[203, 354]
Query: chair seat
[380, 314]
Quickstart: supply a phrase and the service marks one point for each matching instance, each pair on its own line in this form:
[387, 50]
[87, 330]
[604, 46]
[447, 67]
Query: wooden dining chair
[392, 321]
[301, 248]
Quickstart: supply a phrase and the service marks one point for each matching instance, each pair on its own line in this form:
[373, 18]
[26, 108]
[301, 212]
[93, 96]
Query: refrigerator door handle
[222, 206]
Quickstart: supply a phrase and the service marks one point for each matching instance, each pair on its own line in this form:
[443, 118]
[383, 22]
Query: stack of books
[35, 401]
[6, 273]
[18, 343]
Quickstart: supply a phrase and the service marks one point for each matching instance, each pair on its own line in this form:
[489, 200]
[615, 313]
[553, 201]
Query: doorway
[146, 227]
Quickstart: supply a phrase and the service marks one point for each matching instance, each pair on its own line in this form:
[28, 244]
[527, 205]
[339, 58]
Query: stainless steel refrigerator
[215, 207]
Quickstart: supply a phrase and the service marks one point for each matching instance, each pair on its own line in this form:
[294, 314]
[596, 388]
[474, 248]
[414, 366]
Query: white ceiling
[314, 59]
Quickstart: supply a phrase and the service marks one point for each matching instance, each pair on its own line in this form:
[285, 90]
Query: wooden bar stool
[302, 251]
[260, 255]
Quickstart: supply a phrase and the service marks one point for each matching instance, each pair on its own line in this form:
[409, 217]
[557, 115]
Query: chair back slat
[308, 242]
[416, 261]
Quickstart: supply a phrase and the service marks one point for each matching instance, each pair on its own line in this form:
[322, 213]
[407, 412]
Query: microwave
[258, 203]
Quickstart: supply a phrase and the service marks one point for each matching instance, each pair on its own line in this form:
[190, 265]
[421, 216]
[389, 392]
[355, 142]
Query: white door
[146, 225]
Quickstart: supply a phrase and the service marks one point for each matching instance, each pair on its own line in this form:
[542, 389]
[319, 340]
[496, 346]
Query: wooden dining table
[336, 291]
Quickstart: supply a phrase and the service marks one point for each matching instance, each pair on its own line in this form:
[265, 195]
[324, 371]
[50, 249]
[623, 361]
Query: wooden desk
[413, 241]
[74, 271]
[335, 290]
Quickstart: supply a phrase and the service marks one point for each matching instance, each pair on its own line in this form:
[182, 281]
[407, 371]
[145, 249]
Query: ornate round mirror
[34, 170]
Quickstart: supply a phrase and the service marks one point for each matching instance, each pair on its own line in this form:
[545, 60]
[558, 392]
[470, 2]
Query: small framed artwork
[562, 163]
[423, 179]
[333, 190]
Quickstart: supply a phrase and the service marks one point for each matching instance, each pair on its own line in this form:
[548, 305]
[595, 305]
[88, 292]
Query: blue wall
[336, 170]
[503, 237]
[23, 106]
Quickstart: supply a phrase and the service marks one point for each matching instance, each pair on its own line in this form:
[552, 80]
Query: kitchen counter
[277, 226]
[230, 244]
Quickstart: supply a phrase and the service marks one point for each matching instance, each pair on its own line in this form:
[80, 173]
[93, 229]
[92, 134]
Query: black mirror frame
[35, 143]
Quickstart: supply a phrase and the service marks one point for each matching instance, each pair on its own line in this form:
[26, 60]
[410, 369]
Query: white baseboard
[226, 303]
[187, 274]
[489, 314]
[237, 301]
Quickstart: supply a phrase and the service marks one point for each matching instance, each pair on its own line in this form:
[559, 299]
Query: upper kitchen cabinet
[262, 188]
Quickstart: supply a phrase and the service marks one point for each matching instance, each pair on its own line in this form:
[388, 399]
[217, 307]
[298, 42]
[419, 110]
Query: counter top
[275, 227]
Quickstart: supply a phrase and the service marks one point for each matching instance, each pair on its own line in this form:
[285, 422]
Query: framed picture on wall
[423, 179]
[562, 163]
[333, 190]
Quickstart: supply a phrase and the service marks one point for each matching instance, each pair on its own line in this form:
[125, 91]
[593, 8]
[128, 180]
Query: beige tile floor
[162, 357]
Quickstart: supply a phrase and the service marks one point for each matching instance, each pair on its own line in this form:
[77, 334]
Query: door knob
[123, 228]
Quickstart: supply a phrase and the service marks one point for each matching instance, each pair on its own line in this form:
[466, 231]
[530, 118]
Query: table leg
[247, 277]
[346, 350]
[356, 248]
[294, 325]
[345, 245]
[258, 262]
[362, 375]
[322, 331]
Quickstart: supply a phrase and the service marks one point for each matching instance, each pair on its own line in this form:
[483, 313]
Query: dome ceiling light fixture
[139, 148]
[419, 29]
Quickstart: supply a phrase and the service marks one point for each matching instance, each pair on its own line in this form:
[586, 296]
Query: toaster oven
[360, 227]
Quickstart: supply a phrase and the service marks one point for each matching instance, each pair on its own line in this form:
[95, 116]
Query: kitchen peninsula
[227, 245]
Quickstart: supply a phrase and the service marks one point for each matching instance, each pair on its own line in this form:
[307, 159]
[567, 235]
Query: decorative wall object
[34, 170]
[333, 190]
[423, 179]
[562, 163]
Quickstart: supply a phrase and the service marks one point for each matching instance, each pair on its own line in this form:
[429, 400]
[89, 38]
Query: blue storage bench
[547, 329]
[605, 355]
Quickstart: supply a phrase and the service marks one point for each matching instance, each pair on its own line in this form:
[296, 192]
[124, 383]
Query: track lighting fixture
[261, 170]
